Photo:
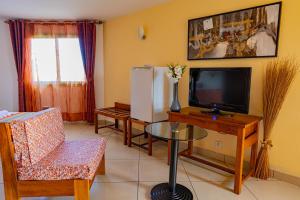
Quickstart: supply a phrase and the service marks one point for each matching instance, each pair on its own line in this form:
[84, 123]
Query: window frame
[58, 70]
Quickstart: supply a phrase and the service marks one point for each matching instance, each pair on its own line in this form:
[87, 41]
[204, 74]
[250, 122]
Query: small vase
[175, 107]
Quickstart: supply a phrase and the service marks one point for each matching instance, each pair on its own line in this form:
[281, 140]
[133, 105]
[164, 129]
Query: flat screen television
[226, 89]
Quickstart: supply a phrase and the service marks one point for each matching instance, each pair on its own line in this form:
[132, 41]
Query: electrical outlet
[218, 144]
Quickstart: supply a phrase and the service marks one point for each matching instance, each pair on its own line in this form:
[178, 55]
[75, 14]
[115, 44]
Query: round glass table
[174, 132]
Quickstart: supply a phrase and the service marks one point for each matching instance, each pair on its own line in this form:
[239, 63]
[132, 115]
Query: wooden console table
[244, 127]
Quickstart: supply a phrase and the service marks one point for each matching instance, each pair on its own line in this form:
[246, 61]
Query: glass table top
[176, 131]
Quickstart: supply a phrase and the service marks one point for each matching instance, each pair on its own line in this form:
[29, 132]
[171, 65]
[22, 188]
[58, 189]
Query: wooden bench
[119, 112]
[47, 168]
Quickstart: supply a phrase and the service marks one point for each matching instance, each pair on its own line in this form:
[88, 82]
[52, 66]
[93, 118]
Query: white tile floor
[131, 173]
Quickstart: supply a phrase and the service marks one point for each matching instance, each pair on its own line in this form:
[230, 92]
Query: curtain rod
[58, 21]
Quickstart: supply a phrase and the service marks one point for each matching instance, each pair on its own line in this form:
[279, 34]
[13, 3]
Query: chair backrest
[37, 136]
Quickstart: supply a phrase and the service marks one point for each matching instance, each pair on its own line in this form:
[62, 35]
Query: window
[57, 60]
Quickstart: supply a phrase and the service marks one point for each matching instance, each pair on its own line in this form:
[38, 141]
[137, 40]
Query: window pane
[71, 65]
[43, 57]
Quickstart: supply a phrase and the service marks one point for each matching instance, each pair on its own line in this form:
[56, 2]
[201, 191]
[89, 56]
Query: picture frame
[246, 33]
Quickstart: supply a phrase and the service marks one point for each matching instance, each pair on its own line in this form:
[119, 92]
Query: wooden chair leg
[82, 189]
[129, 136]
[101, 168]
[125, 131]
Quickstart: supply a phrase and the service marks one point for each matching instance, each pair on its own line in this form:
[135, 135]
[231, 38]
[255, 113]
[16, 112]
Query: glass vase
[175, 107]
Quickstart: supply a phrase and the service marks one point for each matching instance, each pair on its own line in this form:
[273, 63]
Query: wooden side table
[119, 112]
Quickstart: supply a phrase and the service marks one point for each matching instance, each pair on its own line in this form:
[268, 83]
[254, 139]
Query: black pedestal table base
[162, 192]
[173, 132]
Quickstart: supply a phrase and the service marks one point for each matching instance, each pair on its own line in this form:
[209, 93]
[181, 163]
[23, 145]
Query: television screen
[220, 88]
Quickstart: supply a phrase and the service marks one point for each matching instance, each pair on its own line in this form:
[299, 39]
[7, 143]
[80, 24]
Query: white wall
[99, 68]
[8, 73]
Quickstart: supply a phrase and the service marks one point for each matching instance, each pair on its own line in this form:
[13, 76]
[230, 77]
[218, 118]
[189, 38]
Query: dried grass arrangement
[279, 75]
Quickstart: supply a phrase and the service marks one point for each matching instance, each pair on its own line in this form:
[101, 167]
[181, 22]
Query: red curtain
[21, 33]
[17, 33]
[69, 96]
[87, 40]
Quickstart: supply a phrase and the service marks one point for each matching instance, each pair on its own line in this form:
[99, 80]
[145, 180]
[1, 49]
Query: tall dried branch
[279, 75]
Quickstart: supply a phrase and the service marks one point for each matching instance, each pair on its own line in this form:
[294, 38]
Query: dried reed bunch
[279, 75]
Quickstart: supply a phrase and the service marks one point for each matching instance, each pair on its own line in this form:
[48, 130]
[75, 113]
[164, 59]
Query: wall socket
[218, 144]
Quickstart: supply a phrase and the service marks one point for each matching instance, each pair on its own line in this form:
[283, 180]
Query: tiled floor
[131, 173]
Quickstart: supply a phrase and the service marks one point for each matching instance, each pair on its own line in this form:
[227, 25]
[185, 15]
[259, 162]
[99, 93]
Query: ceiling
[72, 9]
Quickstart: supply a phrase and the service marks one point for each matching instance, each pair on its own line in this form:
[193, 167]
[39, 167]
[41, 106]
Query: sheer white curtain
[57, 70]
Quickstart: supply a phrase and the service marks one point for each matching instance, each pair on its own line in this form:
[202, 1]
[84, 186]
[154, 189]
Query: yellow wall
[166, 29]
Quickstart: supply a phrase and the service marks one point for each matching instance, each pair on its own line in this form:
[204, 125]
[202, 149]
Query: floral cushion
[71, 160]
[36, 136]
[44, 134]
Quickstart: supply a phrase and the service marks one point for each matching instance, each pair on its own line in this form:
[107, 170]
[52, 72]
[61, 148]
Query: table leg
[129, 137]
[150, 145]
[253, 157]
[116, 123]
[239, 161]
[125, 131]
[172, 190]
[145, 133]
[173, 165]
[254, 149]
[190, 143]
[169, 151]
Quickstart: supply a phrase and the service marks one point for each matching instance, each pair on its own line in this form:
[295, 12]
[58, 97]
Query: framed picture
[247, 33]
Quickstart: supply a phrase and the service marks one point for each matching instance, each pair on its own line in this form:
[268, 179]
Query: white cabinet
[151, 93]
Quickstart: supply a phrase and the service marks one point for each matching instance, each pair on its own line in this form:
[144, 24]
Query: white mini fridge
[151, 93]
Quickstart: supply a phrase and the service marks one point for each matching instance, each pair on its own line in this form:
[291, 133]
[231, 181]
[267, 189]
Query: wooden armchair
[37, 161]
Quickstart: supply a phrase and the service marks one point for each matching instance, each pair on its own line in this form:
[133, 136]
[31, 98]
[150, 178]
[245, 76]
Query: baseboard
[231, 161]
[286, 177]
